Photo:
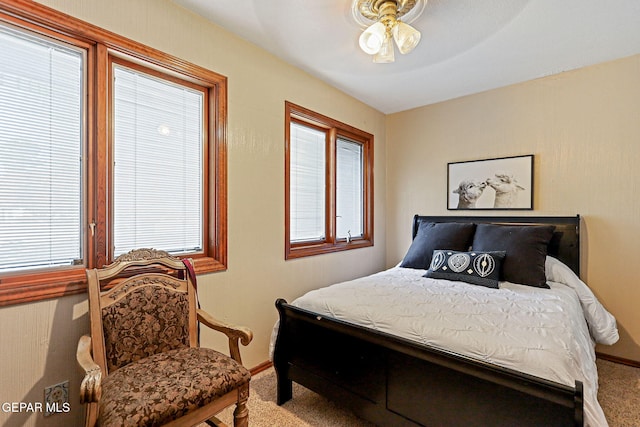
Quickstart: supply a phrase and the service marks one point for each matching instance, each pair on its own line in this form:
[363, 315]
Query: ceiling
[467, 46]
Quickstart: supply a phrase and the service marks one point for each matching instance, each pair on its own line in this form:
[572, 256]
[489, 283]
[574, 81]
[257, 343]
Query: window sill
[50, 285]
[41, 286]
[325, 248]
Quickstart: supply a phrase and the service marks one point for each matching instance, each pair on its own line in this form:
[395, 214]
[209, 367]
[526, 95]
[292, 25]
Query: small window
[329, 185]
[349, 189]
[308, 186]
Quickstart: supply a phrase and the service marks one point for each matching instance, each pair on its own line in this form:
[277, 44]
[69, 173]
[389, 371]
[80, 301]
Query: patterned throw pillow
[477, 268]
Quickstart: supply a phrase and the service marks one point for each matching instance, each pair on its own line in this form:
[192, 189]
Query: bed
[402, 349]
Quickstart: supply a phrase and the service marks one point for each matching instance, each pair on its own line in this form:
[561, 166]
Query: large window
[105, 146]
[329, 184]
[42, 87]
[158, 136]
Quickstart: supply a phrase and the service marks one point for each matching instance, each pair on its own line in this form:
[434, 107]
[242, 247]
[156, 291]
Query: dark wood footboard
[395, 382]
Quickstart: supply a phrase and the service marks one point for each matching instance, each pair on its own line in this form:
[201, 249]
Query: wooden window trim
[100, 44]
[334, 128]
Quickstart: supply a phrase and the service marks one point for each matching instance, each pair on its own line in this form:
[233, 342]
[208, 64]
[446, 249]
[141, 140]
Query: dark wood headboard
[564, 245]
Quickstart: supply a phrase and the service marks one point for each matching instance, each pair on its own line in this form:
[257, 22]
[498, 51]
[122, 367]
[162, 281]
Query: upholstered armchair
[143, 364]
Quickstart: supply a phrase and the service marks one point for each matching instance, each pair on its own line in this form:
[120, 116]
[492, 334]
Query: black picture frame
[504, 183]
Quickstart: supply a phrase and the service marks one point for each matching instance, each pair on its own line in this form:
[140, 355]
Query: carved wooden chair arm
[90, 388]
[234, 333]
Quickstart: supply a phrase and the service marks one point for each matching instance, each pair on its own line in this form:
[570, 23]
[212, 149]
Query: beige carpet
[619, 396]
[619, 393]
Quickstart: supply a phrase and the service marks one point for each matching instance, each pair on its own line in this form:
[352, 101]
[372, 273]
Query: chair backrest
[142, 304]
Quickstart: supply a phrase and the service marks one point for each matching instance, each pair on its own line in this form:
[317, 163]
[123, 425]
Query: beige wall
[37, 341]
[583, 128]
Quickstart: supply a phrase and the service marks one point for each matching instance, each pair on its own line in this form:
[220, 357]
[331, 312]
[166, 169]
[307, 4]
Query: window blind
[41, 140]
[158, 170]
[307, 185]
[349, 189]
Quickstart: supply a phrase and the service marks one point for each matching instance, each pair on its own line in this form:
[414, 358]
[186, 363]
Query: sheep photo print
[504, 183]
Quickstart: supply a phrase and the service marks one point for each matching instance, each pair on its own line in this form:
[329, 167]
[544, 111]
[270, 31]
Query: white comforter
[548, 333]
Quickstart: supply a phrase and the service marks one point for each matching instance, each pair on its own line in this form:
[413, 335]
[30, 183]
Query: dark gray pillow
[526, 248]
[475, 267]
[455, 236]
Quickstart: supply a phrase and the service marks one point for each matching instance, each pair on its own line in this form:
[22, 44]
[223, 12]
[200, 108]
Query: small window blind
[158, 164]
[349, 189]
[41, 140]
[307, 183]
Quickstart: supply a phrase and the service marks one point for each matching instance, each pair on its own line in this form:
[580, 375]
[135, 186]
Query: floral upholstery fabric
[149, 320]
[165, 386]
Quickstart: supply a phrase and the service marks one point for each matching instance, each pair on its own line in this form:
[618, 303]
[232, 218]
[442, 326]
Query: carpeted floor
[619, 395]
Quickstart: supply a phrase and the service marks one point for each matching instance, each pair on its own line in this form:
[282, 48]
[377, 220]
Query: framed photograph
[503, 183]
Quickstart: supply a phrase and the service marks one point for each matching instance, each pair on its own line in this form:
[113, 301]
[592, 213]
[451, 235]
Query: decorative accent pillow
[526, 248]
[456, 236]
[477, 268]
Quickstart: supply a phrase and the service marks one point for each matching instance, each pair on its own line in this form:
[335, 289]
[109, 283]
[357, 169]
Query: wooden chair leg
[91, 414]
[241, 413]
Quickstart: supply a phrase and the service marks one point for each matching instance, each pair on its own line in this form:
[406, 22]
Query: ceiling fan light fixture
[372, 39]
[406, 37]
[385, 55]
[381, 20]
